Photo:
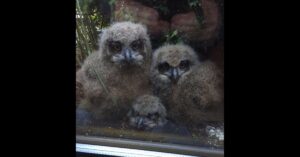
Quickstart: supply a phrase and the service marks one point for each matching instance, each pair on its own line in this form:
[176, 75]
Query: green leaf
[111, 2]
[174, 33]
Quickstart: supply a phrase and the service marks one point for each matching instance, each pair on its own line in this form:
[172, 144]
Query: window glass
[151, 70]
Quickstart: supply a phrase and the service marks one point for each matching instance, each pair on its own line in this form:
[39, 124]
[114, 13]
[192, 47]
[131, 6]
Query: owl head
[147, 112]
[125, 43]
[171, 63]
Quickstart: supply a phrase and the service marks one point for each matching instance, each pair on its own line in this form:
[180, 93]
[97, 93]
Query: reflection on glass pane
[150, 70]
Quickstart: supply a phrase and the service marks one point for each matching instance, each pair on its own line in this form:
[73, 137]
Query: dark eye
[136, 45]
[156, 114]
[163, 67]
[149, 115]
[136, 113]
[115, 46]
[152, 115]
[184, 65]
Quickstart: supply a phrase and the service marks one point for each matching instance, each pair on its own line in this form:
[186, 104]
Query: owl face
[173, 62]
[126, 43]
[147, 112]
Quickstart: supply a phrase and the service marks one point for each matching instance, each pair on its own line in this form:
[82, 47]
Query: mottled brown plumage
[191, 90]
[117, 73]
[147, 112]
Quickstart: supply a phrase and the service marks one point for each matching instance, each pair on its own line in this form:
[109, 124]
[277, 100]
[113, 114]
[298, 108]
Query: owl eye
[163, 67]
[136, 45]
[149, 115]
[152, 115]
[115, 46]
[184, 65]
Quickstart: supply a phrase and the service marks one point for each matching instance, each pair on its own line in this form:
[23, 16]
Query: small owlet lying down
[148, 113]
[117, 73]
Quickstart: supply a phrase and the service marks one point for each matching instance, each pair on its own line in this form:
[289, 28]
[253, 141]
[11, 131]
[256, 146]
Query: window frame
[150, 146]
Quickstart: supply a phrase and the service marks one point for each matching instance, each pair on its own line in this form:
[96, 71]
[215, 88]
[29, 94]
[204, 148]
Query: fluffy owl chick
[147, 112]
[117, 73]
[171, 63]
[191, 90]
[199, 96]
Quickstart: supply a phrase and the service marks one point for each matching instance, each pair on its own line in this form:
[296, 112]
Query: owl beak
[174, 75]
[127, 53]
[140, 122]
